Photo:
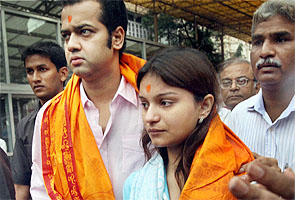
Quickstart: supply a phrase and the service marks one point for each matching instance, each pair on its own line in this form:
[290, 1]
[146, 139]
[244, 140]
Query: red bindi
[148, 88]
[69, 18]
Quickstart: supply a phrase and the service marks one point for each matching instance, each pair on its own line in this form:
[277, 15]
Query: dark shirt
[22, 154]
[6, 182]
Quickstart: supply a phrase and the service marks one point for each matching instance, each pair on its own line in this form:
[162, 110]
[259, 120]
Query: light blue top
[150, 182]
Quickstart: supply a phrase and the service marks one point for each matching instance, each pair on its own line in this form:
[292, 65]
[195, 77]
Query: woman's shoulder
[150, 167]
[145, 180]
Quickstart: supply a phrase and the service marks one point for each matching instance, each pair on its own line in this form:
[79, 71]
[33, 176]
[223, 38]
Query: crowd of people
[166, 128]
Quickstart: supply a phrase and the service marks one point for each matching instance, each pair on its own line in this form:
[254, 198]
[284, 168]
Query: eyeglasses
[240, 82]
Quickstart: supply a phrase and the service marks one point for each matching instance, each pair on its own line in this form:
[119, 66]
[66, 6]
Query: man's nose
[36, 76]
[267, 49]
[73, 44]
[234, 85]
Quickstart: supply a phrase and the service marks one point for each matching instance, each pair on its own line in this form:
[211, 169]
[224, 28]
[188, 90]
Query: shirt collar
[256, 103]
[84, 98]
[125, 90]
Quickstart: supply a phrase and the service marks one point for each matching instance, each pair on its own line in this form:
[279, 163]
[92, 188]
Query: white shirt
[119, 145]
[250, 121]
[223, 113]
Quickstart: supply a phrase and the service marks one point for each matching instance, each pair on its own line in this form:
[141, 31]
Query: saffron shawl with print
[72, 166]
[216, 161]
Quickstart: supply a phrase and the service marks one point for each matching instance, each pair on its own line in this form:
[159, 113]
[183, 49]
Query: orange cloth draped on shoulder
[72, 166]
[216, 161]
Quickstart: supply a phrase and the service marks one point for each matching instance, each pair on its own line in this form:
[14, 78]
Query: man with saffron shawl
[86, 140]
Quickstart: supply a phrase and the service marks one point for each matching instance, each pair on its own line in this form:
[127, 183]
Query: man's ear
[206, 106]
[118, 37]
[63, 73]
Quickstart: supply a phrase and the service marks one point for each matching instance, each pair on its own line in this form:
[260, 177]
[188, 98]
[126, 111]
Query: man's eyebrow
[76, 28]
[256, 37]
[82, 26]
[243, 76]
[280, 34]
[275, 34]
[225, 79]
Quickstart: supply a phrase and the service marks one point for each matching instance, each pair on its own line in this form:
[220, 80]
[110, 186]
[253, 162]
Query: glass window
[21, 32]
[5, 128]
[134, 48]
[22, 106]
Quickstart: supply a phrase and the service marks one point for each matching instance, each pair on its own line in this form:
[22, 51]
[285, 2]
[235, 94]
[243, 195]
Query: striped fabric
[252, 124]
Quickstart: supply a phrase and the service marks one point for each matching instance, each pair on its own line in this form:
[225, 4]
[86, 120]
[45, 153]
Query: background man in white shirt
[265, 122]
[237, 83]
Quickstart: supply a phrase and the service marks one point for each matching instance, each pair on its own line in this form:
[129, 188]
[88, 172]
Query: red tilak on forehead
[69, 18]
[148, 88]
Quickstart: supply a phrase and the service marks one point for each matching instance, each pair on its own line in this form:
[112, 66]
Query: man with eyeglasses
[237, 83]
[265, 122]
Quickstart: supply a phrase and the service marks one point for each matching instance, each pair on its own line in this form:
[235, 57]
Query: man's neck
[277, 100]
[102, 90]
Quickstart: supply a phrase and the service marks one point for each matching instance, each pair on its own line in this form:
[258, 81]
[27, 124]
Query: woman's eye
[166, 103]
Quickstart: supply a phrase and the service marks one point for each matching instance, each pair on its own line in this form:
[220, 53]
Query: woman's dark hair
[114, 14]
[188, 69]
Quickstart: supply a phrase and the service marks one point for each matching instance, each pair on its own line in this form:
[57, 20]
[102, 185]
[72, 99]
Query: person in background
[6, 183]
[196, 154]
[46, 70]
[86, 139]
[265, 122]
[237, 83]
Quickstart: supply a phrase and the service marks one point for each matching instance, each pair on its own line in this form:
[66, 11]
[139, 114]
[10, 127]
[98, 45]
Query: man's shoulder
[29, 117]
[241, 113]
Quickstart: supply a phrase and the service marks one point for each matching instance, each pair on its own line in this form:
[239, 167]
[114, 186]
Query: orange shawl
[71, 162]
[216, 161]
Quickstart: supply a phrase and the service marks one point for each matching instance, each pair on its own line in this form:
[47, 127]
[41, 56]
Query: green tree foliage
[178, 32]
[239, 51]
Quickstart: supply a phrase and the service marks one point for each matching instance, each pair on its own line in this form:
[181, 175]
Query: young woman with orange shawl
[196, 153]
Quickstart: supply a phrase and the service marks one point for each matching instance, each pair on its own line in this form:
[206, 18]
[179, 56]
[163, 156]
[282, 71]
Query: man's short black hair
[114, 14]
[49, 49]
